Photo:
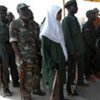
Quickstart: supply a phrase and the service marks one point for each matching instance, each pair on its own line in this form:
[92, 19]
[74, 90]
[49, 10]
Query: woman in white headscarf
[54, 53]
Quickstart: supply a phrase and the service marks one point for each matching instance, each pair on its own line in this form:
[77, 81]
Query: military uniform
[25, 35]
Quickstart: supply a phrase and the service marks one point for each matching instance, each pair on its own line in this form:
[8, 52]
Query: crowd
[34, 54]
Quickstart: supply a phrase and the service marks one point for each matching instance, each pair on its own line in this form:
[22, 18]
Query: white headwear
[52, 28]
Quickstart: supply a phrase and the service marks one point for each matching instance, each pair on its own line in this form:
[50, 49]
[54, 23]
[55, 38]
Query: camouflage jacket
[26, 36]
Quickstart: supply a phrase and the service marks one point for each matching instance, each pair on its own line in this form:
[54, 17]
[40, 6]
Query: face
[3, 15]
[59, 15]
[74, 8]
[10, 17]
[92, 17]
[24, 13]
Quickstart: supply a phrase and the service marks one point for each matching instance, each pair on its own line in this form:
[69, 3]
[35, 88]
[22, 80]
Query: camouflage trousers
[30, 82]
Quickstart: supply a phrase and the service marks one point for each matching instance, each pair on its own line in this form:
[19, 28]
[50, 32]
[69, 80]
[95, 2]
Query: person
[23, 39]
[10, 17]
[14, 72]
[89, 34]
[7, 54]
[75, 45]
[54, 53]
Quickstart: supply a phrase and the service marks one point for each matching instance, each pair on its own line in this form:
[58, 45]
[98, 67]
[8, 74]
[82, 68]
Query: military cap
[21, 5]
[69, 3]
[90, 12]
[95, 10]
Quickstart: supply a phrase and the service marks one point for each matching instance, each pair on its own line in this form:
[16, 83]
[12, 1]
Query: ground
[85, 93]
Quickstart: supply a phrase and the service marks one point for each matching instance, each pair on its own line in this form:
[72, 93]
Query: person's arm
[13, 33]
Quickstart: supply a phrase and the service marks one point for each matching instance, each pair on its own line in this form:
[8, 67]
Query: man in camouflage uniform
[23, 37]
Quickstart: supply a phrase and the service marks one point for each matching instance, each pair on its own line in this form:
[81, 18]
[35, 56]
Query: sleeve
[67, 37]
[13, 32]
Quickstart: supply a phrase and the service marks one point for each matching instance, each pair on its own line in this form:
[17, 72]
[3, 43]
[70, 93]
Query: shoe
[91, 78]
[17, 84]
[83, 84]
[6, 92]
[38, 92]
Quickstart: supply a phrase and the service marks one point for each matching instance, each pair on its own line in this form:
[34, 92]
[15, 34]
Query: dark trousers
[71, 75]
[12, 64]
[89, 55]
[81, 66]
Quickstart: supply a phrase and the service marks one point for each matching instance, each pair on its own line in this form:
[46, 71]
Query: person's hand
[55, 65]
[22, 75]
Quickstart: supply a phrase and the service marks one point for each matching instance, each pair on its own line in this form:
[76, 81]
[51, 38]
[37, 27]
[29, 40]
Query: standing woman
[54, 52]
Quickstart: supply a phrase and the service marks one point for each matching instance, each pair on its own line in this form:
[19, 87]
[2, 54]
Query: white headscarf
[52, 28]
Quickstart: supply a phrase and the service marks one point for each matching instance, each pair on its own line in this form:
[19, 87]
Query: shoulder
[65, 19]
[15, 22]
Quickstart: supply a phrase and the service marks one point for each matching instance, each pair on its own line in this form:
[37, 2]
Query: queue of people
[42, 55]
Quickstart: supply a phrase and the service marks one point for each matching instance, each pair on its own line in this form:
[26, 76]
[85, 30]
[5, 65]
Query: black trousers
[81, 69]
[12, 64]
[71, 75]
[89, 56]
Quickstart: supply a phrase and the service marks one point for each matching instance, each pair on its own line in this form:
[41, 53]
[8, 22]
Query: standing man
[75, 46]
[23, 39]
[89, 34]
[6, 54]
[14, 72]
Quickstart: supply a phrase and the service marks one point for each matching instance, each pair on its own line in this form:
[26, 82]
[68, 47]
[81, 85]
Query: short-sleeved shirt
[25, 34]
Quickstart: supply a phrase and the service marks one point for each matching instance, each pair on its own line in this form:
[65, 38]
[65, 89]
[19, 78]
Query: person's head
[90, 14]
[71, 6]
[3, 12]
[23, 11]
[10, 17]
[96, 11]
[55, 12]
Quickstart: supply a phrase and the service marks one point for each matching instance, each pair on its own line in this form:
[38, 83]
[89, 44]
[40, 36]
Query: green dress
[51, 54]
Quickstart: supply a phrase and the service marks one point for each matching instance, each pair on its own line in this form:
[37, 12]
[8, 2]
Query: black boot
[6, 92]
